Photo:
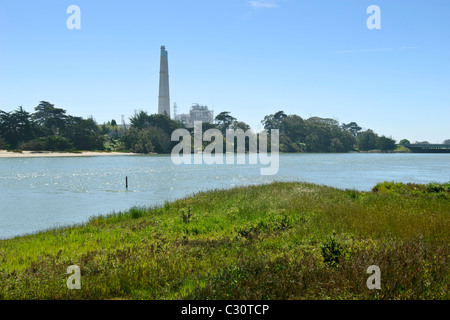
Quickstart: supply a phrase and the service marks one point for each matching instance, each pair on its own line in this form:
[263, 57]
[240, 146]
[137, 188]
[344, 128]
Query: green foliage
[405, 142]
[147, 140]
[49, 143]
[367, 140]
[138, 140]
[270, 223]
[352, 127]
[136, 212]
[332, 250]
[434, 189]
[274, 241]
[3, 144]
[49, 128]
[224, 121]
[274, 121]
[186, 215]
[325, 135]
[84, 133]
[312, 135]
[15, 127]
[240, 125]
[386, 144]
[48, 116]
[150, 133]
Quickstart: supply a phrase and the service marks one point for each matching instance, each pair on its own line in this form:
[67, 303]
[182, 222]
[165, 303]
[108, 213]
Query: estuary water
[47, 192]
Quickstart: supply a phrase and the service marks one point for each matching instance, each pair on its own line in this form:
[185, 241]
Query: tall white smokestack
[164, 97]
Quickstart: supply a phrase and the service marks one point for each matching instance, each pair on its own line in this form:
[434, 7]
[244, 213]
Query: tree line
[48, 128]
[152, 133]
[314, 134]
[51, 129]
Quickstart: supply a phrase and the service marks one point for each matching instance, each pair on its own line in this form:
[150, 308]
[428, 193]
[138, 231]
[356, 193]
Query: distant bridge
[428, 148]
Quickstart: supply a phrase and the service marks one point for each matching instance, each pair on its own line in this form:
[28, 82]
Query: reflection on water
[40, 193]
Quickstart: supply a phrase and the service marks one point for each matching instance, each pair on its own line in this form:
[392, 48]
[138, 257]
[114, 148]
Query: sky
[251, 58]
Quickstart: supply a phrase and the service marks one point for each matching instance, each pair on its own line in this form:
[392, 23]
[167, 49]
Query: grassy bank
[276, 241]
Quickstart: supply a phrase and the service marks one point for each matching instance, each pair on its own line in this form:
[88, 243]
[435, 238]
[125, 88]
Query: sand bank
[28, 154]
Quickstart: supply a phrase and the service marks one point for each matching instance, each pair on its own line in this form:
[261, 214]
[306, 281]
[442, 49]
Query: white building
[196, 113]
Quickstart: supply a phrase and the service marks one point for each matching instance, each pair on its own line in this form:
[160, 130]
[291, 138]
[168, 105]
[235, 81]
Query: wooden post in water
[126, 182]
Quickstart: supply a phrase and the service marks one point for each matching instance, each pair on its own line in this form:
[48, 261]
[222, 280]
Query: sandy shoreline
[29, 154]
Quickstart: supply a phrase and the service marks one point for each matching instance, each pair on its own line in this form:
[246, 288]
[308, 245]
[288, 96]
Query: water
[42, 193]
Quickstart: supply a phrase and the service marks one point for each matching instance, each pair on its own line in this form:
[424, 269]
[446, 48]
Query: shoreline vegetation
[36, 154]
[283, 240]
[50, 129]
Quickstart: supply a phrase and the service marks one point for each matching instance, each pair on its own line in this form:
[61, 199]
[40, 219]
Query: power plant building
[196, 113]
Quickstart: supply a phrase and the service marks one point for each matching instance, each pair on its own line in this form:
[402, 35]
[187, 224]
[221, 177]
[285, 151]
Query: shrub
[186, 217]
[332, 250]
[434, 187]
[49, 143]
[33, 145]
[136, 212]
[3, 144]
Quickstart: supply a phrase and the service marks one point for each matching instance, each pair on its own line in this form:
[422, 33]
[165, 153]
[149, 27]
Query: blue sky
[252, 58]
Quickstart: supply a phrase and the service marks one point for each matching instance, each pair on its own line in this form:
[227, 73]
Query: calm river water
[41, 193]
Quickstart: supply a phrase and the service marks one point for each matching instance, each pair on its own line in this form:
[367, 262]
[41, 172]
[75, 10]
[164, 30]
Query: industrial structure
[164, 97]
[428, 148]
[196, 113]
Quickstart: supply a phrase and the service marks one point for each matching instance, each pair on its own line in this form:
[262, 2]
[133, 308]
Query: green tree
[16, 127]
[348, 140]
[83, 133]
[3, 144]
[274, 121]
[240, 125]
[293, 126]
[49, 119]
[138, 140]
[405, 142]
[142, 120]
[320, 132]
[352, 127]
[150, 133]
[292, 133]
[224, 121]
[367, 140]
[386, 144]
[48, 143]
[151, 139]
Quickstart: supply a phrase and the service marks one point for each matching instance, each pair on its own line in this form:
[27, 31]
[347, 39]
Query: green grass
[275, 241]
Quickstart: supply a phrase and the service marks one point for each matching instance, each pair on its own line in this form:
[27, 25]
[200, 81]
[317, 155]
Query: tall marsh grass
[274, 241]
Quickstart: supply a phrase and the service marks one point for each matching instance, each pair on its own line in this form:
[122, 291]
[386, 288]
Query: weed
[332, 250]
[186, 216]
[136, 212]
[273, 241]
